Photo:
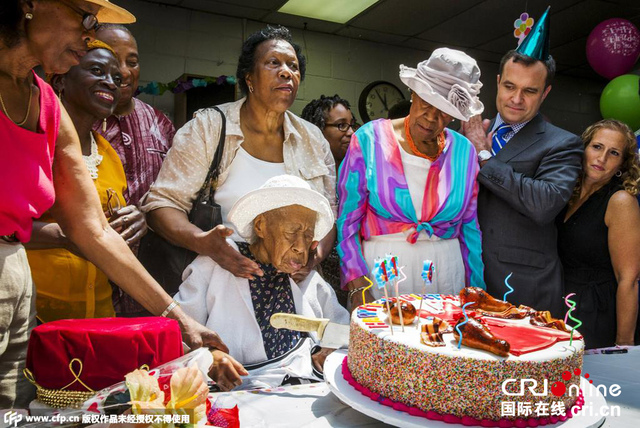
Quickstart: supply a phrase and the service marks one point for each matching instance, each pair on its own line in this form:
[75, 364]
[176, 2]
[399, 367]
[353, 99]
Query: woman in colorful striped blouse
[408, 186]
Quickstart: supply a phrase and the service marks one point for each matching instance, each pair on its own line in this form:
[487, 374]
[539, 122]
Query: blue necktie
[498, 142]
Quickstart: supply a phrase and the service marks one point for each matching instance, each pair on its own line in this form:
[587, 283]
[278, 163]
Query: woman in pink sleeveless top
[41, 163]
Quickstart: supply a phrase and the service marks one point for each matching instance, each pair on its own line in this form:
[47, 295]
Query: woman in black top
[599, 236]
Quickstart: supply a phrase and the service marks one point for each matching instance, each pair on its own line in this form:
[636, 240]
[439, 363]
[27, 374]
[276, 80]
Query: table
[623, 370]
[315, 406]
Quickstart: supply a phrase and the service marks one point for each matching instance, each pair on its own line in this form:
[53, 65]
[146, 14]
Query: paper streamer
[572, 306]
[506, 282]
[466, 320]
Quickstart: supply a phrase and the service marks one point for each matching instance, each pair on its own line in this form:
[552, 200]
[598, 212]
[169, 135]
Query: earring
[619, 174]
[250, 88]
[28, 16]
[104, 125]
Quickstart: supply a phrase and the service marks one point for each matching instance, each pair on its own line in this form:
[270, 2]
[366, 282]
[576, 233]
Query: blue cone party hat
[536, 45]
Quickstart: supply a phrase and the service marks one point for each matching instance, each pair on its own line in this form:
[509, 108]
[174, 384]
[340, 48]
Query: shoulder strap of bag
[214, 168]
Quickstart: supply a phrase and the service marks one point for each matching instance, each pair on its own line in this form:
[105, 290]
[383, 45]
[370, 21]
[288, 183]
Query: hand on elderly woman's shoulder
[215, 245]
[130, 223]
[226, 371]
[477, 130]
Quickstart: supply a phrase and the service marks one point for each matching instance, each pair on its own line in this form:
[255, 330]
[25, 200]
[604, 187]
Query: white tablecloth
[315, 406]
[623, 370]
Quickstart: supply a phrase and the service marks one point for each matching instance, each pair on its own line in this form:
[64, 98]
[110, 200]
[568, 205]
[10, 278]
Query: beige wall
[173, 41]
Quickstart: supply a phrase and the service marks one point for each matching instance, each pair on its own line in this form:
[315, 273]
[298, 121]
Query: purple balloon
[613, 47]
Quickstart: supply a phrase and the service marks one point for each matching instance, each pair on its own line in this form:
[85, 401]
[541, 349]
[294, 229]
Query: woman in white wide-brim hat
[408, 186]
[281, 221]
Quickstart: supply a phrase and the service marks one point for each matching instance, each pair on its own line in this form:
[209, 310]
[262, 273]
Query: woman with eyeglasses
[263, 139]
[41, 163]
[408, 186]
[334, 118]
[67, 285]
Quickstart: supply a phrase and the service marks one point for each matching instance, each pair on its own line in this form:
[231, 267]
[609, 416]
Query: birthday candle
[466, 320]
[568, 315]
[506, 282]
[366, 288]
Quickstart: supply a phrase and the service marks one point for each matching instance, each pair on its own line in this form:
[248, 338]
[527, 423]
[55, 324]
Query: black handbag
[165, 261]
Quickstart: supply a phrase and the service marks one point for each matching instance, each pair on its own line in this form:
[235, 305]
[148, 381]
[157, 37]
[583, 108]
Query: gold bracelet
[171, 307]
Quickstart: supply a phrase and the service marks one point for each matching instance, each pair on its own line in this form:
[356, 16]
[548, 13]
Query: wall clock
[377, 98]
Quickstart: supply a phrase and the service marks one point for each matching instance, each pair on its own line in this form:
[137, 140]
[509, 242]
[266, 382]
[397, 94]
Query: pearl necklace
[93, 160]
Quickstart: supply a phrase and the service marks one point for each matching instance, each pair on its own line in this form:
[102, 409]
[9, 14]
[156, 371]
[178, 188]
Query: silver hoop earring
[619, 174]
[28, 16]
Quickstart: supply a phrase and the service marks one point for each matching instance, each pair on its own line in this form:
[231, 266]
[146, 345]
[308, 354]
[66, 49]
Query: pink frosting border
[452, 419]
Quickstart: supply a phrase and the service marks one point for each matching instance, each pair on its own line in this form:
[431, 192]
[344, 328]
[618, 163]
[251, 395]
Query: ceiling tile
[300, 21]
[225, 8]
[374, 36]
[410, 17]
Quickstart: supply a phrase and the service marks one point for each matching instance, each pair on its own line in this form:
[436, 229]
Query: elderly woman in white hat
[408, 186]
[281, 221]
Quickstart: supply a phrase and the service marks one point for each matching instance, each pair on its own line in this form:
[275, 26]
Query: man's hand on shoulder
[476, 130]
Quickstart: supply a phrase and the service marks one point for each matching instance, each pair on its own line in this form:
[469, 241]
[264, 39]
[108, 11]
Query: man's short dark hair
[549, 64]
[247, 60]
[316, 110]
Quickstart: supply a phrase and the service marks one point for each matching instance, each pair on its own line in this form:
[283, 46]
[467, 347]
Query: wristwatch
[484, 155]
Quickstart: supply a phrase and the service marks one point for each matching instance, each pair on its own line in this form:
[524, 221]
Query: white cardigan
[221, 301]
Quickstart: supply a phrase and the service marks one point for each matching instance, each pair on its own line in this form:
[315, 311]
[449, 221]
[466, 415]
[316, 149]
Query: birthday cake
[462, 366]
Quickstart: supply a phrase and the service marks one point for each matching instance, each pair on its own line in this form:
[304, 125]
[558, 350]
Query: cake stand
[348, 395]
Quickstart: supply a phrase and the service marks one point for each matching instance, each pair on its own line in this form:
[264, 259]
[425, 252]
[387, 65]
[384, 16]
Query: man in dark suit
[526, 177]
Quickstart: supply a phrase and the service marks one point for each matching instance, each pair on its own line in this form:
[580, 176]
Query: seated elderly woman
[408, 186]
[282, 221]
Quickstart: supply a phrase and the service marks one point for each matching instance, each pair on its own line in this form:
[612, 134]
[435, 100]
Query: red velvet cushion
[109, 348]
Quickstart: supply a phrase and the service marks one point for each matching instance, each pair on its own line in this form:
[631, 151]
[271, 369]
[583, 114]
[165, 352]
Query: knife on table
[331, 335]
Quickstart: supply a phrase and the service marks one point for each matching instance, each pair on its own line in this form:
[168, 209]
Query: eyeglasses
[344, 126]
[113, 202]
[89, 20]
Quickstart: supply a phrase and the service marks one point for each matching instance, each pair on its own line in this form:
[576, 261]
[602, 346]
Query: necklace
[26, 116]
[413, 147]
[93, 160]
